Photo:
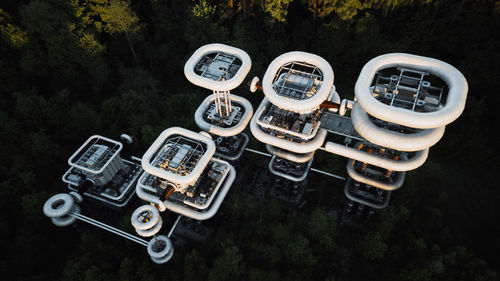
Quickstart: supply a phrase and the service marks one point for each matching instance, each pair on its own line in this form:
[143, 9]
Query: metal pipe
[328, 174]
[312, 169]
[109, 228]
[174, 226]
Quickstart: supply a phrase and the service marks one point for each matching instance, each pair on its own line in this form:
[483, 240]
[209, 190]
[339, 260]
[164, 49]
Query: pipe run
[385, 185]
[291, 156]
[109, 228]
[396, 165]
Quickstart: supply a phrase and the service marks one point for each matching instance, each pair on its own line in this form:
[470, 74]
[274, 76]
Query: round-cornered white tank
[227, 85]
[299, 106]
[178, 179]
[455, 101]
[399, 141]
[220, 131]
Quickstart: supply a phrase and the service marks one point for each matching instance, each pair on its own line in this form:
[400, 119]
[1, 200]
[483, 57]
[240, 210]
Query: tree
[347, 9]
[10, 33]
[59, 51]
[203, 9]
[278, 9]
[227, 265]
[119, 17]
[321, 8]
[372, 246]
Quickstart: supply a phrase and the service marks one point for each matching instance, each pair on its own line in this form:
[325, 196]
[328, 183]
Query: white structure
[295, 85]
[221, 68]
[181, 174]
[98, 172]
[402, 105]
[402, 114]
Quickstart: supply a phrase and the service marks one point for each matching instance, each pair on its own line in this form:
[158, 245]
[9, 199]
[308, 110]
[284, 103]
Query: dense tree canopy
[73, 68]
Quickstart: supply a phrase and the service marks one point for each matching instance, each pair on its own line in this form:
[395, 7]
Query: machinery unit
[98, 172]
[181, 174]
[402, 105]
[295, 85]
[222, 68]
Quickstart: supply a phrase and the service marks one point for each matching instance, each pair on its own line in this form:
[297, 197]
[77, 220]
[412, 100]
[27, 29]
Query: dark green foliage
[73, 68]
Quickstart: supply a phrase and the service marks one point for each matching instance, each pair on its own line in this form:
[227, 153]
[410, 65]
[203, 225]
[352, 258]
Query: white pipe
[216, 102]
[174, 226]
[391, 139]
[328, 174]
[258, 152]
[225, 85]
[299, 106]
[197, 215]
[334, 96]
[109, 228]
[216, 130]
[296, 147]
[285, 154]
[374, 182]
[455, 102]
[395, 165]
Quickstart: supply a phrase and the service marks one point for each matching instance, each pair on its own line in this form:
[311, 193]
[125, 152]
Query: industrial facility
[401, 106]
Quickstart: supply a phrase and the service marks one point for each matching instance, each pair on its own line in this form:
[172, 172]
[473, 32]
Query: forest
[73, 68]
